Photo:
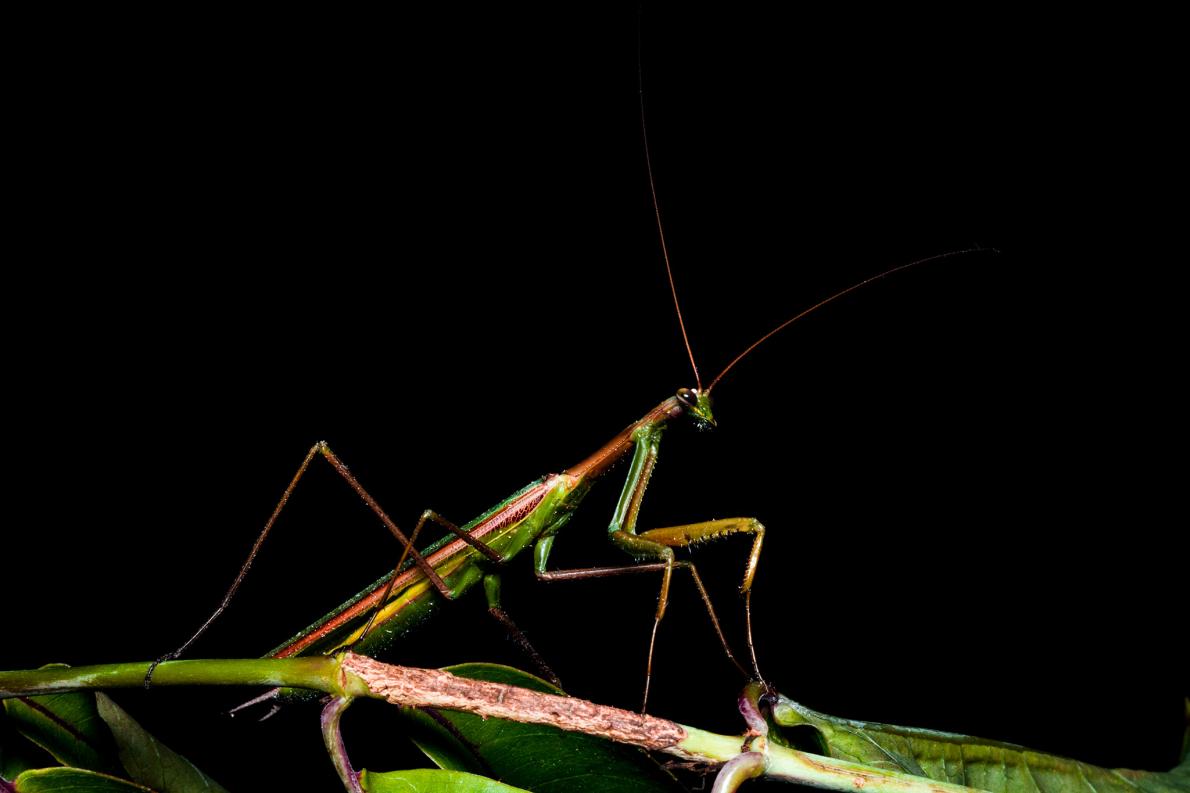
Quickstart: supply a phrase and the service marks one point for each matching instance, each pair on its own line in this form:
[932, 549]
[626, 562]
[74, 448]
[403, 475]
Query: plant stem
[318, 673]
[353, 675]
[434, 688]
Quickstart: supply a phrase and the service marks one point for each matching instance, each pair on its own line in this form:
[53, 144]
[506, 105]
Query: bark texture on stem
[435, 689]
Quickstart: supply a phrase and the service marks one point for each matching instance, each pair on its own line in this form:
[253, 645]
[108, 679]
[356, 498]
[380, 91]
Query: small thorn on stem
[267, 696]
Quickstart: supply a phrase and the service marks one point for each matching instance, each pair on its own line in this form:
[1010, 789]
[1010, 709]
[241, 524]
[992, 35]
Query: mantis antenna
[831, 299]
[669, 269]
[644, 132]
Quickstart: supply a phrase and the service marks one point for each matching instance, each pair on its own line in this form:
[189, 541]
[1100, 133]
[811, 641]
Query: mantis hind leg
[323, 450]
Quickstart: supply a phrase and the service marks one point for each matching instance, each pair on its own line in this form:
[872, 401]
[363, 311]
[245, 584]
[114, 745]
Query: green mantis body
[531, 517]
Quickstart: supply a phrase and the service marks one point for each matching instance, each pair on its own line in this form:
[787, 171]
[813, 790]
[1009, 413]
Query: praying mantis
[862, 440]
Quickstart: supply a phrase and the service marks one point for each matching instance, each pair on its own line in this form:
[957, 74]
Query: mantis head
[698, 406]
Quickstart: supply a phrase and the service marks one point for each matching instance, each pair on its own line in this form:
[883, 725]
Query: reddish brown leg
[321, 448]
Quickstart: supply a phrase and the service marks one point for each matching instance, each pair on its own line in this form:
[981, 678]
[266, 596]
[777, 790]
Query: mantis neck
[610, 453]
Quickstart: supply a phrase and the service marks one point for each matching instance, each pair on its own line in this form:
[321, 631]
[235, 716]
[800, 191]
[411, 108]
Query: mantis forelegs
[688, 534]
[659, 543]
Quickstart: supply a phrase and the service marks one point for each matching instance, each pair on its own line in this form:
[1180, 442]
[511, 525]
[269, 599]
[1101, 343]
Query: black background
[427, 239]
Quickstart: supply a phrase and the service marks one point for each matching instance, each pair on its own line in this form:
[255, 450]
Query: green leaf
[18, 753]
[73, 780]
[429, 780]
[988, 765]
[537, 758]
[68, 727]
[86, 731]
[149, 761]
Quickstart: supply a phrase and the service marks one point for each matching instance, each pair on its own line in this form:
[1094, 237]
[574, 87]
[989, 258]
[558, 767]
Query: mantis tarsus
[817, 437]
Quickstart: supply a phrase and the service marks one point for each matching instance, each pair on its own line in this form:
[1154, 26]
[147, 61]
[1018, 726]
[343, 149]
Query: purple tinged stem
[334, 742]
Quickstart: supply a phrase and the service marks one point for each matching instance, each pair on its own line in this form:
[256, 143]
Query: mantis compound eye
[687, 397]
